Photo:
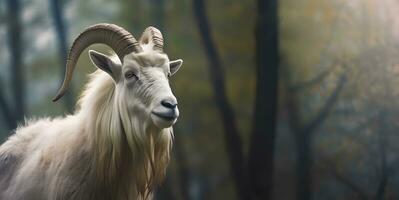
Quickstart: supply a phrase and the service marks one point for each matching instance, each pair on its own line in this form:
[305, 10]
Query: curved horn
[154, 36]
[120, 40]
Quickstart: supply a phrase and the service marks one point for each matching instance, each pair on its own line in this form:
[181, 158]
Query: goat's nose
[169, 103]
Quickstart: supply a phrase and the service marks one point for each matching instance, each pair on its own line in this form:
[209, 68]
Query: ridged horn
[153, 36]
[121, 41]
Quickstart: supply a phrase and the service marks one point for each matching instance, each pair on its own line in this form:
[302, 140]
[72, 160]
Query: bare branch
[329, 166]
[349, 183]
[327, 108]
[310, 83]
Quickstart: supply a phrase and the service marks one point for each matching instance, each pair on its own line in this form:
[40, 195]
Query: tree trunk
[8, 115]
[261, 155]
[158, 14]
[231, 135]
[184, 176]
[60, 27]
[381, 190]
[304, 132]
[384, 128]
[164, 192]
[17, 73]
[303, 168]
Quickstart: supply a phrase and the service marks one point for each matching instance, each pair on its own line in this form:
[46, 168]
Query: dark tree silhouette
[165, 191]
[304, 132]
[381, 143]
[231, 135]
[158, 14]
[137, 20]
[330, 167]
[18, 78]
[182, 168]
[261, 153]
[57, 11]
[17, 111]
[8, 115]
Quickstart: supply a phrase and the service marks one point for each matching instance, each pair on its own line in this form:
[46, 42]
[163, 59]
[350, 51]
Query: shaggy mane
[124, 146]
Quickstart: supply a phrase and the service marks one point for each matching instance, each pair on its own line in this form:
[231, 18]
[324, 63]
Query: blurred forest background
[279, 99]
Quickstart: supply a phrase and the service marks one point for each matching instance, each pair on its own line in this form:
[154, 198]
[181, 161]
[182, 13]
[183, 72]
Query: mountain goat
[116, 144]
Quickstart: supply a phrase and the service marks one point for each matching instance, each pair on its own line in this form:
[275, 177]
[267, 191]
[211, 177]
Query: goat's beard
[122, 133]
[149, 146]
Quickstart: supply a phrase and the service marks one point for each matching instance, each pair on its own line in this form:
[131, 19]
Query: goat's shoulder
[8, 165]
[19, 142]
[6, 157]
[7, 162]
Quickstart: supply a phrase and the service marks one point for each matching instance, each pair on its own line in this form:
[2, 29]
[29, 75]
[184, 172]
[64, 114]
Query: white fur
[111, 148]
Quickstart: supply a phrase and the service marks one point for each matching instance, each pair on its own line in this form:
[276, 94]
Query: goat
[116, 144]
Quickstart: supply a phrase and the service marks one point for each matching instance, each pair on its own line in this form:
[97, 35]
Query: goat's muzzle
[166, 113]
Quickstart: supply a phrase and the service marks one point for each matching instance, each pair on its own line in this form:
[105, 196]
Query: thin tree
[18, 79]
[381, 143]
[231, 135]
[329, 166]
[158, 14]
[304, 131]
[261, 155]
[165, 191]
[8, 115]
[16, 113]
[184, 174]
[57, 11]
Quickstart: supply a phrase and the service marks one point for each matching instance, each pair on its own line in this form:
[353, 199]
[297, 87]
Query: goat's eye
[169, 74]
[129, 75]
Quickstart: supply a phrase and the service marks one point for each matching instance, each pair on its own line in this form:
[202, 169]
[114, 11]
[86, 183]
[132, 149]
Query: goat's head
[141, 76]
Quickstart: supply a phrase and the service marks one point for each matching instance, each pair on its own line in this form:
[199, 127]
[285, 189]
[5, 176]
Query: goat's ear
[175, 66]
[104, 63]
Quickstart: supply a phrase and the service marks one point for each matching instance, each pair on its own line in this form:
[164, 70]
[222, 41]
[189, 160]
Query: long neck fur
[129, 155]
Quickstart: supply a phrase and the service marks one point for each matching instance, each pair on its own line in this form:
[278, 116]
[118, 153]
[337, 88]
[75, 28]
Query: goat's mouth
[166, 118]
